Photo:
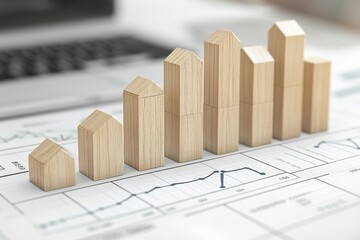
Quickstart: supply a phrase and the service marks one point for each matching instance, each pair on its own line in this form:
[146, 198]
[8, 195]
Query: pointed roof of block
[258, 54]
[288, 28]
[180, 55]
[220, 36]
[142, 87]
[46, 151]
[95, 121]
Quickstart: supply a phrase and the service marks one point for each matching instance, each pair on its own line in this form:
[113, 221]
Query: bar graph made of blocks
[243, 128]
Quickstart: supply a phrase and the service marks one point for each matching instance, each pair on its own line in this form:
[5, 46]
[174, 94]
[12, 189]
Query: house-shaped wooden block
[286, 44]
[221, 92]
[183, 90]
[51, 166]
[101, 147]
[256, 96]
[257, 75]
[183, 83]
[222, 70]
[143, 124]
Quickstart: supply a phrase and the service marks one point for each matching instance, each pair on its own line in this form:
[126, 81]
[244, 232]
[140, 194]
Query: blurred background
[60, 54]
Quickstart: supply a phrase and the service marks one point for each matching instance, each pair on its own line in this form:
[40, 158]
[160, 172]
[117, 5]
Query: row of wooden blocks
[238, 95]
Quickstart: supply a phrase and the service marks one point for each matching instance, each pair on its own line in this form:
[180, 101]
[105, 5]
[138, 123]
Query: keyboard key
[58, 58]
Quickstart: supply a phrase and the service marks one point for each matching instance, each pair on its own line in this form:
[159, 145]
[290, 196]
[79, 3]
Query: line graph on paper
[54, 134]
[347, 143]
[59, 127]
[330, 148]
[157, 190]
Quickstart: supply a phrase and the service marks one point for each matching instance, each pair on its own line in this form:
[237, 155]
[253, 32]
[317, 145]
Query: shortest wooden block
[316, 95]
[51, 166]
[221, 129]
[256, 124]
[183, 136]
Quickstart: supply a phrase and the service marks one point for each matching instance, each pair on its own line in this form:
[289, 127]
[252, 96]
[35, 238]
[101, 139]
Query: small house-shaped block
[101, 147]
[51, 166]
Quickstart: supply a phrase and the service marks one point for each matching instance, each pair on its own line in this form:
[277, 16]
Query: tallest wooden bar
[286, 45]
[221, 92]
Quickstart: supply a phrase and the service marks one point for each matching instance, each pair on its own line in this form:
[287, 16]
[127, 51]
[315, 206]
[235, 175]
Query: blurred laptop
[57, 54]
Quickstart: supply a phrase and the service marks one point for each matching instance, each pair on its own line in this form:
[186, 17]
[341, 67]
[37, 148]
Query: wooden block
[286, 45]
[222, 70]
[183, 90]
[221, 92]
[221, 129]
[316, 95]
[256, 124]
[183, 83]
[143, 124]
[101, 146]
[183, 136]
[287, 117]
[256, 75]
[51, 166]
[256, 96]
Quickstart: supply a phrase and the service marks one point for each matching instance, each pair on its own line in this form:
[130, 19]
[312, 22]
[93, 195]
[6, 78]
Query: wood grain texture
[221, 129]
[100, 146]
[144, 124]
[286, 45]
[221, 92]
[257, 75]
[287, 117]
[183, 136]
[256, 96]
[183, 83]
[51, 166]
[183, 93]
[316, 95]
[256, 124]
[222, 70]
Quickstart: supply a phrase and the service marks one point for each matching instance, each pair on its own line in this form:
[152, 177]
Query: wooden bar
[286, 45]
[316, 95]
[183, 93]
[256, 96]
[221, 92]
[143, 124]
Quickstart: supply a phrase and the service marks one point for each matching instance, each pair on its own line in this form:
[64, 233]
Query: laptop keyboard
[57, 58]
